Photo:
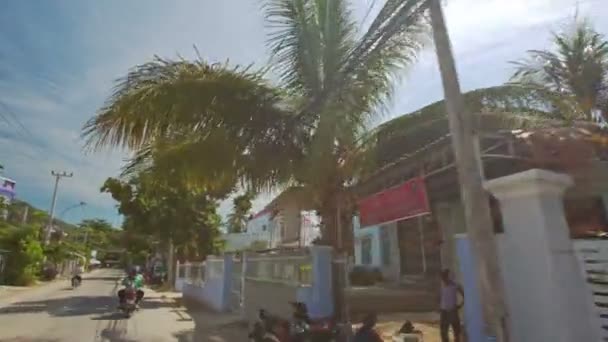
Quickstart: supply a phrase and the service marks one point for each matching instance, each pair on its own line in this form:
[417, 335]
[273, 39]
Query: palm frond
[295, 43]
[161, 96]
[211, 124]
[577, 68]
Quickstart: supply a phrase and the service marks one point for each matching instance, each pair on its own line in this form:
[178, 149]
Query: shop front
[395, 232]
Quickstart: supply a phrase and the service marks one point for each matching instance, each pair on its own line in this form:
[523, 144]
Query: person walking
[449, 307]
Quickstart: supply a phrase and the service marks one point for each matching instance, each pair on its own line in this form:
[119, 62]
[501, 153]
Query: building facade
[286, 221]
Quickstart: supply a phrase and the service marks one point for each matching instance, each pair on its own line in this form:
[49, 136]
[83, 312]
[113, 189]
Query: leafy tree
[25, 254]
[577, 70]
[241, 207]
[97, 235]
[60, 251]
[166, 211]
[218, 125]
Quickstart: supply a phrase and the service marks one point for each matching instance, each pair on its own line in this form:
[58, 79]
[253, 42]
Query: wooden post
[422, 247]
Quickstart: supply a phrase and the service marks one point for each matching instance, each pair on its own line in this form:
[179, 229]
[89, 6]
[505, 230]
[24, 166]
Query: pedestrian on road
[449, 307]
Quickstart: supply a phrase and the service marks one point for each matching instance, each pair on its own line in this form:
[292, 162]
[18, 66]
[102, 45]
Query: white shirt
[449, 297]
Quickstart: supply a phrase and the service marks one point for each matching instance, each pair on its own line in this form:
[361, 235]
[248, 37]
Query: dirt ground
[214, 327]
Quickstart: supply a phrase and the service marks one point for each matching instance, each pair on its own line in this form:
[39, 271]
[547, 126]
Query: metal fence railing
[215, 267]
[294, 270]
[192, 273]
[593, 259]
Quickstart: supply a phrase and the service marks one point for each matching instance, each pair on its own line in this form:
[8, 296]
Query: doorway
[409, 247]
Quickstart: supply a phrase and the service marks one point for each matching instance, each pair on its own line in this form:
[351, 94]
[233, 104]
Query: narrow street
[55, 312]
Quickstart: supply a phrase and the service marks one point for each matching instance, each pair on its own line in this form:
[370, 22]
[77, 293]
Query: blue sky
[58, 60]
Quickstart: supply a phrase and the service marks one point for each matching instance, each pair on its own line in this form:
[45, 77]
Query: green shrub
[25, 254]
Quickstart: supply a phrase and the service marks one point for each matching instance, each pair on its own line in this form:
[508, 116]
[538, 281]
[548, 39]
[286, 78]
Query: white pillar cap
[529, 183]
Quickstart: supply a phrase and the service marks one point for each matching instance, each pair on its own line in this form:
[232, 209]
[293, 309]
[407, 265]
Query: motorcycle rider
[77, 274]
[137, 280]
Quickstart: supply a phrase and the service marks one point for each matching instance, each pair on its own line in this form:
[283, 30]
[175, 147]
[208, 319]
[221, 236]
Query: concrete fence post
[187, 271]
[322, 293]
[228, 260]
[546, 296]
[244, 261]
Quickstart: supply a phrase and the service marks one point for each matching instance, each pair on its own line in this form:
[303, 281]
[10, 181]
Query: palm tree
[216, 124]
[241, 206]
[340, 76]
[577, 69]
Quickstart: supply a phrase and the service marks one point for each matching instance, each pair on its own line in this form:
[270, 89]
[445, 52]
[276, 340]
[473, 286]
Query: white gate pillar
[547, 298]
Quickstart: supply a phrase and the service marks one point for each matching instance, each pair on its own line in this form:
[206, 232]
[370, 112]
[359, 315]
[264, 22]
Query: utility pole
[474, 197]
[58, 176]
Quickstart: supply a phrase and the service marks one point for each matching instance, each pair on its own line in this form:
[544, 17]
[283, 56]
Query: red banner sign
[404, 201]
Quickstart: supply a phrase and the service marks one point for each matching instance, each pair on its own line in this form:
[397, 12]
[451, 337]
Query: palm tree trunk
[475, 199]
[336, 231]
[171, 263]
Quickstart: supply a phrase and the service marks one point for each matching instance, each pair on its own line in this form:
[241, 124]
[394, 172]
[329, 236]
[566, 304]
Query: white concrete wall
[259, 224]
[544, 290]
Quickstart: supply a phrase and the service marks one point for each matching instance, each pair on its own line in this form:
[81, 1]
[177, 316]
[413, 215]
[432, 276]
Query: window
[366, 251]
[263, 228]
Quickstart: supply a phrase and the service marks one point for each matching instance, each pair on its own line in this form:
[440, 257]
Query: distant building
[7, 189]
[287, 221]
[7, 193]
[258, 234]
[295, 222]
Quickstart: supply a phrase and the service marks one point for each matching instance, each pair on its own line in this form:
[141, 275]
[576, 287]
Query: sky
[59, 59]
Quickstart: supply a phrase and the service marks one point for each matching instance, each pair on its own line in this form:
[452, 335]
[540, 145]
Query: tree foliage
[218, 125]
[576, 70]
[162, 211]
[241, 208]
[25, 253]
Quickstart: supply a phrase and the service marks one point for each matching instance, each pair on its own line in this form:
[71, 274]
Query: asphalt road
[55, 312]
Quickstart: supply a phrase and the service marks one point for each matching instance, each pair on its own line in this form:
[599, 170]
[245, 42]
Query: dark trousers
[449, 318]
[138, 296]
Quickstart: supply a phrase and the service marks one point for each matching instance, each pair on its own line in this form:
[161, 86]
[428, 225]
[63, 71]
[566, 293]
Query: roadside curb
[12, 296]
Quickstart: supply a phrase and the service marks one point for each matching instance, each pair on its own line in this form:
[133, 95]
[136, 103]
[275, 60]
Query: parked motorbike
[304, 329]
[129, 305]
[300, 329]
[269, 328]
